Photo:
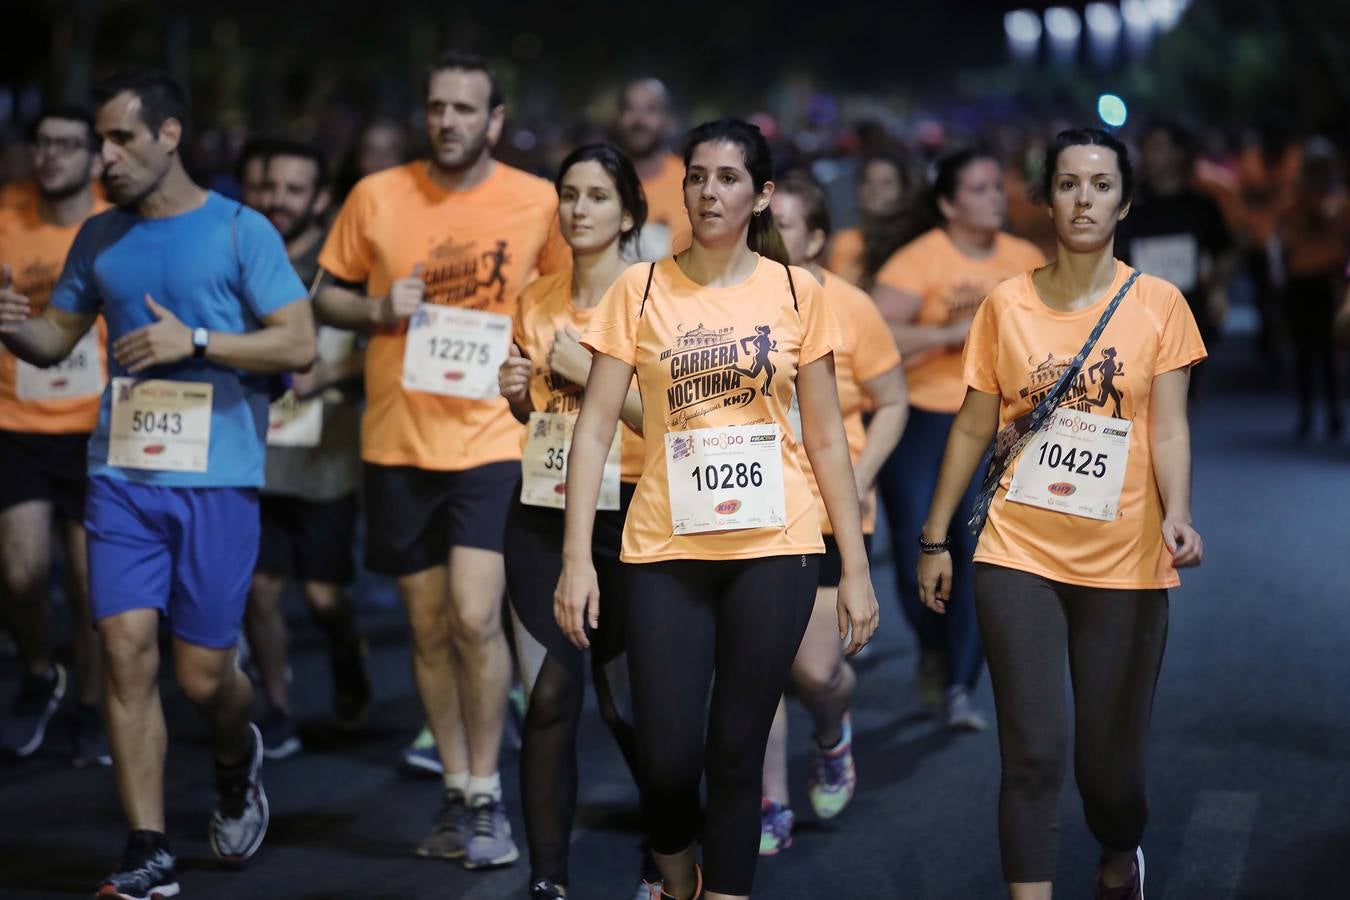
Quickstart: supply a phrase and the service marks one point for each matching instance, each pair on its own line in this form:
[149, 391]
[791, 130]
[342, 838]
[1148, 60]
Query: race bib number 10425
[1075, 464]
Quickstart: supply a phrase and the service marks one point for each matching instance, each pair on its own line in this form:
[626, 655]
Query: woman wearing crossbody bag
[1088, 516]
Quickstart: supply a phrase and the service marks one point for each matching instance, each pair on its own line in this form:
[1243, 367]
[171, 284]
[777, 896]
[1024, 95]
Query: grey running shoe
[422, 757]
[961, 712]
[89, 743]
[239, 823]
[543, 889]
[279, 738]
[931, 680]
[23, 730]
[145, 874]
[489, 843]
[448, 833]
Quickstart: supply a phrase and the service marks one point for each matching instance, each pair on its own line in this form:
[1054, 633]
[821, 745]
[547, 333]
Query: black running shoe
[279, 737]
[147, 872]
[89, 743]
[543, 889]
[23, 730]
[351, 685]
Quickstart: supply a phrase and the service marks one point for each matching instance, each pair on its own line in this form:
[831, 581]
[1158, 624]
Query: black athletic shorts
[310, 539]
[832, 564]
[534, 539]
[50, 467]
[414, 516]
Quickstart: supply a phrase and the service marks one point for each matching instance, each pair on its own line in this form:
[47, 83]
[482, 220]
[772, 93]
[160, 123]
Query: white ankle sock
[457, 781]
[488, 784]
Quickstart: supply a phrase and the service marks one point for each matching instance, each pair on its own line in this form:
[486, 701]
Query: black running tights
[548, 755]
[689, 619]
[1114, 640]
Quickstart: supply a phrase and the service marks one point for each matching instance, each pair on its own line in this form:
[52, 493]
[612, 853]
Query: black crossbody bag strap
[647, 290]
[1013, 438]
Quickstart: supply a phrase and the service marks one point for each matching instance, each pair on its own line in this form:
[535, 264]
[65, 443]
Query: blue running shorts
[187, 552]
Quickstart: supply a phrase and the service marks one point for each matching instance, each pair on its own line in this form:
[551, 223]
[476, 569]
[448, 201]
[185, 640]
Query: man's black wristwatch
[200, 336]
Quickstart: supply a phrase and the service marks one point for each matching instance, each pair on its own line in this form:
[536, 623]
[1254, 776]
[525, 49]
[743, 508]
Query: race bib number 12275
[455, 352]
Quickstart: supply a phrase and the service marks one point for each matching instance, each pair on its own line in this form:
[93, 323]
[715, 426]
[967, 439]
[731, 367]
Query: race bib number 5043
[725, 478]
[1075, 464]
[455, 352]
[160, 425]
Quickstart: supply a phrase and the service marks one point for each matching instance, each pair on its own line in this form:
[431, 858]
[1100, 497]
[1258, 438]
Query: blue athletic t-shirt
[219, 267]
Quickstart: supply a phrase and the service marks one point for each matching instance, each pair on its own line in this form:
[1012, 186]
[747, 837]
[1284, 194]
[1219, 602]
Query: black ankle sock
[148, 841]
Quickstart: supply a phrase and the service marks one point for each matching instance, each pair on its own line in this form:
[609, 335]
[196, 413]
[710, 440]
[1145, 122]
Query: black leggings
[548, 756]
[1115, 641]
[1310, 310]
[744, 620]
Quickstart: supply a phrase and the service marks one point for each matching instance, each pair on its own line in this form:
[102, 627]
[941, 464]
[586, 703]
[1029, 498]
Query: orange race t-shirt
[866, 350]
[1315, 232]
[1017, 348]
[479, 247]
[952, 287]
[35, 253]
[545, 309]
[694, 351]
[665, 203]
[846, 255]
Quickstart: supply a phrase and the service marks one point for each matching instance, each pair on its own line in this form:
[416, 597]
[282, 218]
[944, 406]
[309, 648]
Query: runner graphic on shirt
[1043, 374]
[762, 346]
[497, 259]
[1109, 369]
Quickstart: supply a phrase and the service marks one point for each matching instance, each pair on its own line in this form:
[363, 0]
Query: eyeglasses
[63, 146]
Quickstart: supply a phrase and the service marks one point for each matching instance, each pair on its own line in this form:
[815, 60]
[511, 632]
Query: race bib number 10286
[725, 478]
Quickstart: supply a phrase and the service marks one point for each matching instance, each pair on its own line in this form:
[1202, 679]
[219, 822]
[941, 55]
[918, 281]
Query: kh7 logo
[727, 507]
[1061, 488]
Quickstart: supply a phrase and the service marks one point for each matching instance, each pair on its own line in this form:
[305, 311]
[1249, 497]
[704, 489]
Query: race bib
[543, 465]
[1075, 464]
[78, 375]
[455, 352]
[1174, 258]
[292, 422]
[725, 478]
[160, 425]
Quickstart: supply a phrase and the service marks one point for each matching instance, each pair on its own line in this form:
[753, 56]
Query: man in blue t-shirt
[201, 304]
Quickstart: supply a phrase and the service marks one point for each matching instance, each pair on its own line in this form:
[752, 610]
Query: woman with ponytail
[722, 540]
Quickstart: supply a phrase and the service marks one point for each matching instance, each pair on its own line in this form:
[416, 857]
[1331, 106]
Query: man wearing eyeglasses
[45, 419]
